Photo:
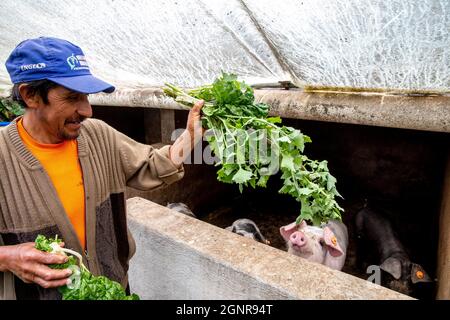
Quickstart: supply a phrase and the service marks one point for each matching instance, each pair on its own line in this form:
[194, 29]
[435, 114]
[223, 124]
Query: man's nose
[84, 108]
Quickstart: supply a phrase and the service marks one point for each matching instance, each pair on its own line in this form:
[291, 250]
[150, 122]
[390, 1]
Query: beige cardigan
[29, 205]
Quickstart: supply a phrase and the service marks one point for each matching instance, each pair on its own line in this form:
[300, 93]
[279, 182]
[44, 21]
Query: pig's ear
[331, 242]
[302, 224]
[286, 231]
[393, 266]
[418, 274]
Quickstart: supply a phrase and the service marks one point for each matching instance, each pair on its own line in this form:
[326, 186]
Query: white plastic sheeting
[373, 44]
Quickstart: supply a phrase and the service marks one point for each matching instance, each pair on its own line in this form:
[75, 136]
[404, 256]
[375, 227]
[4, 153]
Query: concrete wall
[179, 257]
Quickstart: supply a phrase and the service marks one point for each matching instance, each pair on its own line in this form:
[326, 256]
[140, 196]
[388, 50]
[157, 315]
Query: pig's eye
[322, 242]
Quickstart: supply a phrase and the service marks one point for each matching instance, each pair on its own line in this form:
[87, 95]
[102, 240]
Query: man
[64, 175]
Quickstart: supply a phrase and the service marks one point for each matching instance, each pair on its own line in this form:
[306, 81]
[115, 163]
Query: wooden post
[159, 125]
[167, 125]
[443, 267]
[152, 126]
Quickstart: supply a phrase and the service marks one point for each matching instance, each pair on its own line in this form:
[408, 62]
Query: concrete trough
[179, 257]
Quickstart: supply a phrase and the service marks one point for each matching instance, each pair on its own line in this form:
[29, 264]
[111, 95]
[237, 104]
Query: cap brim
[84, 84]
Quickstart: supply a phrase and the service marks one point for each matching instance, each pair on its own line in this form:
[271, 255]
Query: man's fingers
[198, 105]
[45, 276]
[28, 252]
[30, 265]
[49, 284]
[49, 274]
[51, 258]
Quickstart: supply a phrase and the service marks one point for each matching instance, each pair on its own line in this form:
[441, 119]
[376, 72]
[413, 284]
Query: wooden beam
[167, 125]
[427, 113]
[443, 267]
[152, 126]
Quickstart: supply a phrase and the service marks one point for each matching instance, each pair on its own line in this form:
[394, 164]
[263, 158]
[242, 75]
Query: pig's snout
[298, 238]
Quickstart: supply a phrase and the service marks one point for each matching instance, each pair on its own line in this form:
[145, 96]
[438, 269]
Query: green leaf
[331, 182]
[284, 139]
[262, 182]
[208, 110]
[226, 173]
[9, 109]
[286, 189]
[287, 161]
[252, 182]
[305, 191]
[307, 138]
[274, 119]
[242, 176]
[306, 211]
[298, 140]
[323, 166]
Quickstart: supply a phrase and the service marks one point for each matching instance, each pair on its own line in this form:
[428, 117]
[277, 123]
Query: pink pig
[326, 245]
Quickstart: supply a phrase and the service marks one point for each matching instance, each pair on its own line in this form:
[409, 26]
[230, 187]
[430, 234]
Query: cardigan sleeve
[144, 166]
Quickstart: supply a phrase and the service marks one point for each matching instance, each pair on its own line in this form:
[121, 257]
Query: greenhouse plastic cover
[372, 44]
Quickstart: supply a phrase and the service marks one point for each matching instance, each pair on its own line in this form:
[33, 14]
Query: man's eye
[74, 98]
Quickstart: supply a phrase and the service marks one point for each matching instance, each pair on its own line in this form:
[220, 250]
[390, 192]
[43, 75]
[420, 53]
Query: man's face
[63, 114]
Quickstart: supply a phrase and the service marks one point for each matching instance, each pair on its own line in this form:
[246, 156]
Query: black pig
[181, 207]
[247, 228]
[378, 233]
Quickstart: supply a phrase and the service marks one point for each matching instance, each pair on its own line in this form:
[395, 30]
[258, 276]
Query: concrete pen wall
[179, 257]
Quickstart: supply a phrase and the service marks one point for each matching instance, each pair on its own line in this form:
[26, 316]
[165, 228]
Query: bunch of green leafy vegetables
[251, 146]
[9, 110]
[84, 285]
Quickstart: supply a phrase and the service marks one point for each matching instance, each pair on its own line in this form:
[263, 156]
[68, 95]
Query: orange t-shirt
[61, 163]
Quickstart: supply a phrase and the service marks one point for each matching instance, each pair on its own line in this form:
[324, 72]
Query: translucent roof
[372, 44]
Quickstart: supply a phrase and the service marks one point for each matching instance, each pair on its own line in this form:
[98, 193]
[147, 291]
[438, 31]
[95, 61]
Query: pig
[248, 229]
[181, 207]
[326, 245]
[377, 232]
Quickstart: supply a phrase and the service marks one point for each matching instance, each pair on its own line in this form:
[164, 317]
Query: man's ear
[32, 101]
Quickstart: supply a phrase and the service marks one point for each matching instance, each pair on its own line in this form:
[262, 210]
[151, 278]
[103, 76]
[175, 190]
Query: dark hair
[39, 87]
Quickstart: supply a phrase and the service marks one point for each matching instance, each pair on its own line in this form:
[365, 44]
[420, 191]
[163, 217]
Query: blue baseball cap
[56, 60]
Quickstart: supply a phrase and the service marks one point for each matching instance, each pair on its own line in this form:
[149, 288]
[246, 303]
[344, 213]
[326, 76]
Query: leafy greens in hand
[84, 285]
[239, 129]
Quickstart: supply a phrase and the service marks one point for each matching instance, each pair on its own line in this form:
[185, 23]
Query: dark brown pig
[375, 232]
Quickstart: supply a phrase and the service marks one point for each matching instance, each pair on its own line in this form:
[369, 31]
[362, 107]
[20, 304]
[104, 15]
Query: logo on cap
[32, 66]
[77, 62]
